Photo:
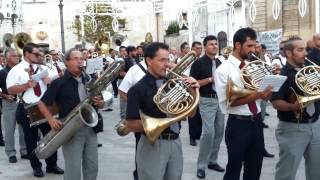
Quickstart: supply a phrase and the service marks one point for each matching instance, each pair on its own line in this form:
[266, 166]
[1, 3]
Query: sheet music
[276, 81]
[37, 77]
[94, 65]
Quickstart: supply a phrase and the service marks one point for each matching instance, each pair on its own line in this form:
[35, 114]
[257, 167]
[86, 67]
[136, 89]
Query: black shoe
[108, 109]
[25, 156]
[193, 142]
[55, 170]
[264, 125]
[201, 174]
[216, 167]
[37, 172]
[268, 155]
[1, 143]
[99, 145]
[267, 114]
[13, 159]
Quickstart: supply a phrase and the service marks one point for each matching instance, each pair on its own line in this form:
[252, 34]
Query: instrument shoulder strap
[141, 67]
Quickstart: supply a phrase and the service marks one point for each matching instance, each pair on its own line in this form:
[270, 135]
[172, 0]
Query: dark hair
[29, 47]
[67, 56]
[242, 34]
[209, 38]
[263, 46]
[6, 52]
[1, 50]
[140, 47]
[83, 49]
[183, 45]
[196, 43]
[130, 49]
[110, 50]
[288, 45]
[151, 49]
[121, 47]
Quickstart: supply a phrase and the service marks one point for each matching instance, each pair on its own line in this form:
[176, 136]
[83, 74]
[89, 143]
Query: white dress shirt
[19, 75]
[282, 61]
[134, 75]
[230, 69]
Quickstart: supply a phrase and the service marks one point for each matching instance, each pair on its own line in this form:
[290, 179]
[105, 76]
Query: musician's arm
[16, 89]
[123, 95]
[283, 105]
[134, 125]
[45, 111]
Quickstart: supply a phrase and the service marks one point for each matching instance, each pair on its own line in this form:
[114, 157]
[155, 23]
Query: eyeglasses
[36, 54]
[56, 54]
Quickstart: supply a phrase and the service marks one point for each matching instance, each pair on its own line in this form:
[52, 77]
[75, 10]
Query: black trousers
[115, 87]
[195, 125]
[245, 145]
[137, 136]
[1, 135]
[31, 137]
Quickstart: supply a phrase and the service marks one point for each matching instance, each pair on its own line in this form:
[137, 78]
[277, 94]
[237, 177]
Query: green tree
[103, 25]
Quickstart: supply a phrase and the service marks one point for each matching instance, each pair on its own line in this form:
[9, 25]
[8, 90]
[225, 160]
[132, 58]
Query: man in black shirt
[297, 137]
[68, 91]
[314, 53]
[1, 135]
[212, 117]
[162, 160]
[9, 107]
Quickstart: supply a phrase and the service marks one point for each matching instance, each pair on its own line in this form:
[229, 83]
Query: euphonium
[308, 80]
[251, 75]
[174, 98]
[83, 114]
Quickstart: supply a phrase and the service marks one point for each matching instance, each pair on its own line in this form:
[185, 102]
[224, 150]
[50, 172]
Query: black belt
[311, 120]
[243, 117]
[209, 95]
[169, 136]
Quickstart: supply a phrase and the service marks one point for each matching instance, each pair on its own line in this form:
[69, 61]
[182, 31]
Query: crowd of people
[143, 72]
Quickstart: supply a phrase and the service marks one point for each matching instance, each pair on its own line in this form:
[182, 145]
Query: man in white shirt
[19, 82]
[59, 66]
[280, 58]
[134, 75]
[244, 132]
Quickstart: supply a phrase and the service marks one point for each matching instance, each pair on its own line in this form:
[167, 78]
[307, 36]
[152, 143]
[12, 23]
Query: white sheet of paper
[94, 65]
[37, 77]
[276, 81]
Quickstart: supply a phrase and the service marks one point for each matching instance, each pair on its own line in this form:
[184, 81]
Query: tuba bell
[20, 40]
[7, 40]
[175, 98]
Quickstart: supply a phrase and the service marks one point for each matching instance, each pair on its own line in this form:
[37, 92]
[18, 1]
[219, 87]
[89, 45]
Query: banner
[271, 39]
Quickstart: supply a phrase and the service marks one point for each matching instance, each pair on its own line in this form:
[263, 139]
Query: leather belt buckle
[169, 136]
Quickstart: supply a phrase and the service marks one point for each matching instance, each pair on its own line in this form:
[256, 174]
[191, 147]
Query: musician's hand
[266, 94]
[61, 74]
[9, 98]
[296, 106]
[97, 101]
[194, 83]
[31, 83]
[276, 69]
[55, 124]
[47, 80]
[171, 65]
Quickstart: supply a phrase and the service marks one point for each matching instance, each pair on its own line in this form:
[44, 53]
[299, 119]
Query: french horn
[175, 98]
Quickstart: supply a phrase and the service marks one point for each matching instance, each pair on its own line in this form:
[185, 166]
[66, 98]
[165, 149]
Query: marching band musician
[19, 82]
[68, 91]
[163, 160]
[9, 107]
[244, 132]
[59, 66]
[297, 138]
[212, 119]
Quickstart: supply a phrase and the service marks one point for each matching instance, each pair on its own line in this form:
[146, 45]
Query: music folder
[276, 81]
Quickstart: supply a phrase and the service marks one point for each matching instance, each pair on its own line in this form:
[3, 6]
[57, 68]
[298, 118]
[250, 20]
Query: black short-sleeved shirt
[64, 91]
[3, 76]
[140, 97]
[201, 69]
[285, 93]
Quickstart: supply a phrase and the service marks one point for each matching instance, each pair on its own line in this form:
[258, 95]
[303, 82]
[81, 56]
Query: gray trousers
[9, 123]
[123, 108]
[212, 132]
[297, 141]
[161, 161]
[263, 107]
[81, 150]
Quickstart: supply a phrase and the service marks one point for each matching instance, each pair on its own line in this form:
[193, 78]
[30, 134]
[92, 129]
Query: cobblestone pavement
[116, 156]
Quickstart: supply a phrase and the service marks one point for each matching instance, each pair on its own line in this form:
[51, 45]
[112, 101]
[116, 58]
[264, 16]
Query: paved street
[116, 157]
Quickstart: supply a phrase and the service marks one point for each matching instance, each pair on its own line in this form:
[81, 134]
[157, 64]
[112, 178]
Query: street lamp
[14, 18]
[61, 26]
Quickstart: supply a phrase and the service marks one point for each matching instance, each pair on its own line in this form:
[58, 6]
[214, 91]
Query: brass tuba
[83, 114]
[308, 80]
[174, 98]
[251, 76]
[7, 40]
[20, 40]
